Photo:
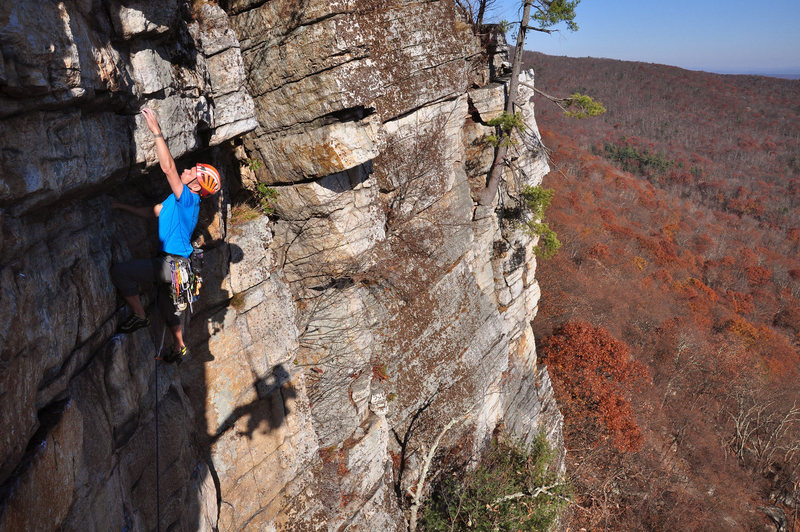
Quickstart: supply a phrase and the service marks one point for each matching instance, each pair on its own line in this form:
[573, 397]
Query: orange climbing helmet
[209, 179]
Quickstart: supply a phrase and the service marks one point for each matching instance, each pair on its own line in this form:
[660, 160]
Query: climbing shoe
[176, 355]
[133, 323]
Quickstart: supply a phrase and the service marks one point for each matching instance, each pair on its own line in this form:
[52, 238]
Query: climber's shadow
[268, 412]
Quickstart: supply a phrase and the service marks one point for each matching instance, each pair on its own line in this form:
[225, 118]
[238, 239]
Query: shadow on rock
[266, 413]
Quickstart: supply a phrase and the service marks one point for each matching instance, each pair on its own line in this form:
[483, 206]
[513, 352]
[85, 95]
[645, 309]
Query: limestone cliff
[333, 340]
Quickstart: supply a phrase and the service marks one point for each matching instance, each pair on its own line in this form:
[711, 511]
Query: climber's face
[189, 178]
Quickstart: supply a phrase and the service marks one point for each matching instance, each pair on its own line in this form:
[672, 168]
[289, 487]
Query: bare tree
[419, 488]
[474, 11]
[765, 430]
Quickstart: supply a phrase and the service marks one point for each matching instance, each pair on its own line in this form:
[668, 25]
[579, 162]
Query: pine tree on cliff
[546, 14]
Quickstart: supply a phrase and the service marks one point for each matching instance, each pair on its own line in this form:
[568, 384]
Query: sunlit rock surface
[333, 340]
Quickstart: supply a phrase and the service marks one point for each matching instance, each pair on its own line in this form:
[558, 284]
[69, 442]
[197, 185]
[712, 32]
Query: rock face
[334, 340]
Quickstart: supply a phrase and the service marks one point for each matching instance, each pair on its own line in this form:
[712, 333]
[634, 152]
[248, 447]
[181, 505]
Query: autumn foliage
[679, 214]
[592, 370]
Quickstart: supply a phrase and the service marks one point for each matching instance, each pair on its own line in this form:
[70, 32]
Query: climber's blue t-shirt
[176, 222]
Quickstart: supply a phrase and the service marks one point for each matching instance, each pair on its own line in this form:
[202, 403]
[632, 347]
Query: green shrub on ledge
[549, 243]
[535, 200]
[511, 489]
[266, 197]
[507, 123]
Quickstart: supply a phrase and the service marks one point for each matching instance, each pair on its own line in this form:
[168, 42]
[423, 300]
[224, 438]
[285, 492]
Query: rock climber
[177, 218]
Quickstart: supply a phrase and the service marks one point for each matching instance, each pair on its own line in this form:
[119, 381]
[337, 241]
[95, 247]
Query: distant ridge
[764, 73]
[781, 76]
[758, 74]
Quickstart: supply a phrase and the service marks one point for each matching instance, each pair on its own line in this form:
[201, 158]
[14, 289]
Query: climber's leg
[127, 276]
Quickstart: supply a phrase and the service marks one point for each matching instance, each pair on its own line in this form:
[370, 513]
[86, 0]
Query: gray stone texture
[74, 74]
[377, 301]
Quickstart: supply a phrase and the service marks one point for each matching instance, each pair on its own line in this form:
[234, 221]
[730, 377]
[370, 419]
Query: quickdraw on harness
[186, 280]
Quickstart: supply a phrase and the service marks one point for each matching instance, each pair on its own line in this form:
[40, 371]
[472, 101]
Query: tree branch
[426, 464]
[556, 100]
[543, 30]
[538, 491]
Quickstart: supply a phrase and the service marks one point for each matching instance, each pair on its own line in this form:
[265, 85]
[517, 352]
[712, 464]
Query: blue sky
[727, 36]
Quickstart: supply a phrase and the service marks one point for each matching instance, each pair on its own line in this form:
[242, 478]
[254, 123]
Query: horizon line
[777, 72]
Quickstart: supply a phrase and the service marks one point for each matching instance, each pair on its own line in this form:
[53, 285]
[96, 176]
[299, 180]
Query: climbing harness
[180, 274]
[186, 281]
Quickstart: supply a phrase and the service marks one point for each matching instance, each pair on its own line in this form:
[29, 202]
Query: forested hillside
[676, 294]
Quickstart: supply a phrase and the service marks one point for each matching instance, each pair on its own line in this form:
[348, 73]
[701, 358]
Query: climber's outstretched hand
[152, 120]
[164, 157]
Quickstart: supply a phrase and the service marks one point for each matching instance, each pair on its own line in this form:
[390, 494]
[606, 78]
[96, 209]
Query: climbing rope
[155, 376]
[159, 349]
[158, 479]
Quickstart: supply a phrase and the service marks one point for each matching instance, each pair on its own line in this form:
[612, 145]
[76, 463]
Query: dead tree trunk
[487, 197]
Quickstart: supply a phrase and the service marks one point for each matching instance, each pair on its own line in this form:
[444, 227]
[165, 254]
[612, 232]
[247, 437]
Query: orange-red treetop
[591, 371]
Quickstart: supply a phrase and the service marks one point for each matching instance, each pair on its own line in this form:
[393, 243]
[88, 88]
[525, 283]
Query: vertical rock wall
[334, 339]
[78, 403]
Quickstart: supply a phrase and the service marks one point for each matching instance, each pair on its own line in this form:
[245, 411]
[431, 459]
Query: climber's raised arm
[164, 156]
